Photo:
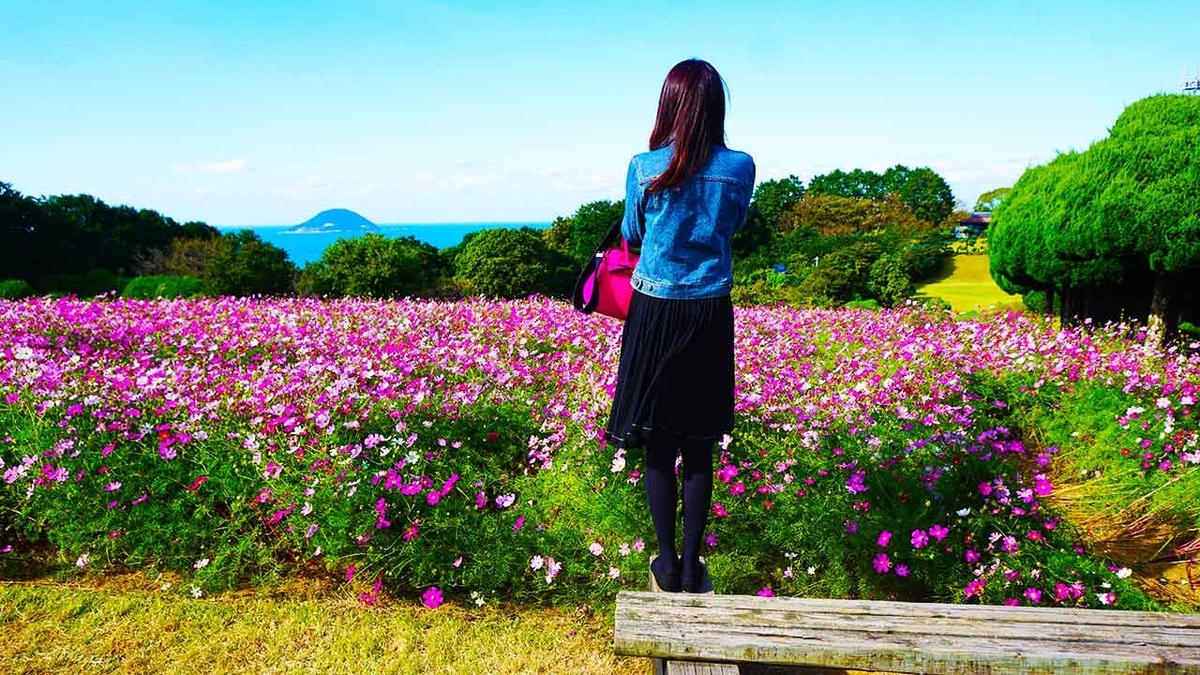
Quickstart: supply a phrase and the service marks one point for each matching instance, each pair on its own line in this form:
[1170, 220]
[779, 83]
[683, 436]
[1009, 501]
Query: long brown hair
[691, 115]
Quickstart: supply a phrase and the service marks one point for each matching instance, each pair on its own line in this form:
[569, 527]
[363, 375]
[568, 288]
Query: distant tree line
[848, 236]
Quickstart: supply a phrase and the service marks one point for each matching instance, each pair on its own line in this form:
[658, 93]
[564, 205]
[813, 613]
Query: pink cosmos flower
[1033, 594]
[884, 539]
[1042, 487]
[766, 592]
[727, 473]
[919, 539]
[901, 570]
[882, 563]
[432, 598]
[938, 532]
[517, 525]
[710, 540]
[719, 510]
[972, 556]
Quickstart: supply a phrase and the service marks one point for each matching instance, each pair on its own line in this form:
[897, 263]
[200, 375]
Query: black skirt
[675, 378]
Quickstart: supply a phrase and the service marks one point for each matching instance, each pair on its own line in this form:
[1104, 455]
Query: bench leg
[665, 667]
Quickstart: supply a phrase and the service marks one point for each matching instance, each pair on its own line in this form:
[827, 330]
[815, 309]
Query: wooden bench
[903, 637]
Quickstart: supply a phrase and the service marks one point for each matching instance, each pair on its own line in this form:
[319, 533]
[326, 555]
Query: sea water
[303, 248]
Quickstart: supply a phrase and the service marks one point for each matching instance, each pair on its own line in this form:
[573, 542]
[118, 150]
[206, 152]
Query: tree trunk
[1156, 323]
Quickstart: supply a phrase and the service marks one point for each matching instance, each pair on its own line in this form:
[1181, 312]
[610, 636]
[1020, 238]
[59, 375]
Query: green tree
[856, 184]
[888, 281]
[922, 189]
[244, 264]
[771, 202]
[557, 237]
[991, 199]
[773, 198]
[376, 266]
[504, 263]
[589, 225]
[20, 217]
[1114, 229]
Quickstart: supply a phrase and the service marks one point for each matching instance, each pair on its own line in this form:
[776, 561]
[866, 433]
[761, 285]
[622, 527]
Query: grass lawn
[130, 625]
[967, 285]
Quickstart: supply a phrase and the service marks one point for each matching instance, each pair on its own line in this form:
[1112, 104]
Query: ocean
[305, 248]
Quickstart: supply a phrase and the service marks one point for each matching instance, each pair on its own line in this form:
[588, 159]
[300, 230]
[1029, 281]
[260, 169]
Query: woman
[684, 201]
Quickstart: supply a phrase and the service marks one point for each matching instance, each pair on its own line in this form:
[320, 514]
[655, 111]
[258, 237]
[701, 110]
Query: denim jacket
[685, 232]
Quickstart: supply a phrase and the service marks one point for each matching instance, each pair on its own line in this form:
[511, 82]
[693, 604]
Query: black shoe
[697, 582]
[662, 582]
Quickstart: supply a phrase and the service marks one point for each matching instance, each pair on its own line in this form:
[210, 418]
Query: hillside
[967, 285]
[335, 220]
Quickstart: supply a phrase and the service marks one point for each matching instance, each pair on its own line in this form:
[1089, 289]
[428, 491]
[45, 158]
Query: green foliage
[504, 263]
[243, 264]
[85, 285]
[862, 304]
[16, 289]
[772, 201]
[925, 258]
[56, 242]
[589, 225]
[773, 198]
[1037, 302]
[1125, 211]
[149, 288]
[922, 189]
[375, 266]
[991, 199]
[856, 184]
[888, 281]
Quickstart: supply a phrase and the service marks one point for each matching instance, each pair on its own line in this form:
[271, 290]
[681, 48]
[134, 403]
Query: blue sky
[240, 113]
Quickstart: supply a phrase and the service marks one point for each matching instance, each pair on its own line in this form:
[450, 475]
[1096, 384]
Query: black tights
[697, 473]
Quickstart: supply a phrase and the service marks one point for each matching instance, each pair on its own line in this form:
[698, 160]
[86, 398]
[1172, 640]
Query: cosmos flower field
[450, 451]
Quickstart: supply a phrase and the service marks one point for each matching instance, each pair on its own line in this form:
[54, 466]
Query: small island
[334, 221]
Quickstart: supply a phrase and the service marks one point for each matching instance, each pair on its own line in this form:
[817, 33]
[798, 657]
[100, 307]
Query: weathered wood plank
[905, 637]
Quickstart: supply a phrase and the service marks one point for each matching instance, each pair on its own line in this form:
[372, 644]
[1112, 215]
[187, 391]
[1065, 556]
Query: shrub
[504, 263]
[243, 264]
[375, 266]
[16, 289]
[888, 281]
[149, 288]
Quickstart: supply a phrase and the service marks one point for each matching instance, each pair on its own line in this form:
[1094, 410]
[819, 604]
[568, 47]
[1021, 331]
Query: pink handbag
[604, 284]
